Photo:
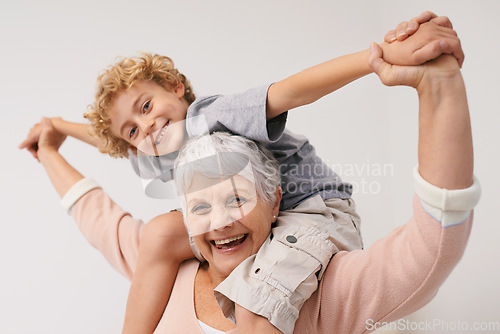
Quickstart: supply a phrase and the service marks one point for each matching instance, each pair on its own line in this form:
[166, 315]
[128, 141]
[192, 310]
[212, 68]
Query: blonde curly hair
[121, 76]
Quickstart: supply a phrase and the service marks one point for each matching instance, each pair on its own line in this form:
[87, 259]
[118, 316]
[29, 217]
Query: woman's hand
[393, 75]
[62, 175]
[417, 77]
[31, 141]
[49, 139]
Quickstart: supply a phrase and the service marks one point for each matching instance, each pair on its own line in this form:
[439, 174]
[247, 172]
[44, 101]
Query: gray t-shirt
[303, 173]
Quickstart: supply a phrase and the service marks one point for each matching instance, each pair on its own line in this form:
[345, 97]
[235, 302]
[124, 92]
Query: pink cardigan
[396, 276]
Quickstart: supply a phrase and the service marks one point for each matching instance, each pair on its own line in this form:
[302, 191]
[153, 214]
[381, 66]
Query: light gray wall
[52, 281]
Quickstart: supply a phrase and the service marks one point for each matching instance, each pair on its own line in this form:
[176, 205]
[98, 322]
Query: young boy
[141, 106]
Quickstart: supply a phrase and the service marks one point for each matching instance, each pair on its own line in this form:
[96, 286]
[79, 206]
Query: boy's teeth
[226, 241]
[161, 134]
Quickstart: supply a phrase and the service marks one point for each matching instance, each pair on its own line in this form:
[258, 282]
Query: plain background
[52, 281]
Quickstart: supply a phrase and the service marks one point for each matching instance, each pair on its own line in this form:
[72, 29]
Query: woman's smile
[229, 245]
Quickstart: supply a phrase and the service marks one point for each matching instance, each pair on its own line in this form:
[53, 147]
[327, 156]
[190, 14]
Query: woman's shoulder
[179, 315]
[189, 268]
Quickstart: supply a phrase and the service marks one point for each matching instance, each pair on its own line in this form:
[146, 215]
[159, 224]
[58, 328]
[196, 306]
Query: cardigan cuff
[449, 207]
[76, 191]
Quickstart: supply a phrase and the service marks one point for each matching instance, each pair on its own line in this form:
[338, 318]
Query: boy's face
[150, 117]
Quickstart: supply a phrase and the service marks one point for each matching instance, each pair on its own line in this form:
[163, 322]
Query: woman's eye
[145, 107]
[201, 209]
[132, 131]
[236, 201]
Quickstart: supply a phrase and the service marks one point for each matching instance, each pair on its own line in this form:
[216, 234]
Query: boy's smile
[150, 117]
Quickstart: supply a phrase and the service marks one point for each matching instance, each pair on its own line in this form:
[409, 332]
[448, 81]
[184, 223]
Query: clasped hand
[435, 47]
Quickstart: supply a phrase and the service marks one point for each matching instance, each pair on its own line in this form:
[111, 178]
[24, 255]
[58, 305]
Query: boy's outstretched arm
[431, 40]
[76, 130]
[315, 82]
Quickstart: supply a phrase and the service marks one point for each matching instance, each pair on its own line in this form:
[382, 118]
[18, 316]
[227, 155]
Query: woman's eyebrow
[195, 200]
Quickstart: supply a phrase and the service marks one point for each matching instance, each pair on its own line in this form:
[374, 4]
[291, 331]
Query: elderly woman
[230, 192]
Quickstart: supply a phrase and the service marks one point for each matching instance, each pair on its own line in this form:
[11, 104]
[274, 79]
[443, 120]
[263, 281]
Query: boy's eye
[236, 201]
[145, 107]
[132, 131]
[201, 209]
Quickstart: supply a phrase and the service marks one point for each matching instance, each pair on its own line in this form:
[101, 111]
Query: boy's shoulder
[242, 100]
[243, 114]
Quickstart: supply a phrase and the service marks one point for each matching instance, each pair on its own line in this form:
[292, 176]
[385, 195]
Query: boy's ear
[133, 149]
[179, 90]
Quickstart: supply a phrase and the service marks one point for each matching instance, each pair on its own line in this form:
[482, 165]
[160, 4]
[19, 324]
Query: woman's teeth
[230, 242]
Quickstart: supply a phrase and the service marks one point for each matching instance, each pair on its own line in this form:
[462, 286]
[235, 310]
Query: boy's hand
[405, 29]
[430, 41]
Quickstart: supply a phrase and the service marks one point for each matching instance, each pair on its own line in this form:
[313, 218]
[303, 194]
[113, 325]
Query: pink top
[396, 276]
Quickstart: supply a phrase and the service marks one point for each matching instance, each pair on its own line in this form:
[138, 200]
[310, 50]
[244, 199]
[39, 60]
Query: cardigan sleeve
[110, 229]
[364, 289]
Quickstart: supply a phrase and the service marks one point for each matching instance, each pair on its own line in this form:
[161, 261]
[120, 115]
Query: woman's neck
[214, 277]
[207, 309]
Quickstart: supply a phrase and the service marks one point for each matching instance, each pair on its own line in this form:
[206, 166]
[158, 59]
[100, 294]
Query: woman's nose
[220, 219]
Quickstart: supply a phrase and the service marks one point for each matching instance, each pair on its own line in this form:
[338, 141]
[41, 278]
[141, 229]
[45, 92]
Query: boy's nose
[147, 126]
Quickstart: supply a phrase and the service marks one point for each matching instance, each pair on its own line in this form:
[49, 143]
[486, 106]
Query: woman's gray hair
[221, 155]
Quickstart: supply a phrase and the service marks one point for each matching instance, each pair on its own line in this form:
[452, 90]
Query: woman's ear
[276, 207]
[133, 149]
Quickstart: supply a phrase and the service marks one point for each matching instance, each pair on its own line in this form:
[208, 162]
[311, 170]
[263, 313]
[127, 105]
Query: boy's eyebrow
[135, 105]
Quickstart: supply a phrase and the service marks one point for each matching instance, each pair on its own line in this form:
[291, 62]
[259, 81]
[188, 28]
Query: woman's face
[228, 220]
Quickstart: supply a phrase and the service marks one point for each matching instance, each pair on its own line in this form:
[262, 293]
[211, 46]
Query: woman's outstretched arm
[104, 224]
[62, 175]
[445, 152]
[364, 290]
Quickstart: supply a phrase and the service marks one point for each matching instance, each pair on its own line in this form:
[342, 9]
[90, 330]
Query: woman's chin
[227, 259]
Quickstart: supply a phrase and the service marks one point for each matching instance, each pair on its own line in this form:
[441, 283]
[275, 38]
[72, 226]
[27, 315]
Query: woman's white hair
[221, 155]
